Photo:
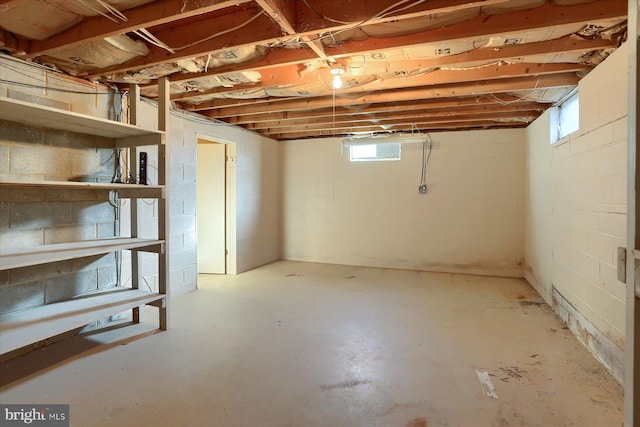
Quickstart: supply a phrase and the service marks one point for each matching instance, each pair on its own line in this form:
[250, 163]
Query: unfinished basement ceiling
[265, 65]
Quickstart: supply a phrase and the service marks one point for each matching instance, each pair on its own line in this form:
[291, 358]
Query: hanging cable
[99, 12]
[237, 27]
[150, 38]
[113, 10]
[427, 146]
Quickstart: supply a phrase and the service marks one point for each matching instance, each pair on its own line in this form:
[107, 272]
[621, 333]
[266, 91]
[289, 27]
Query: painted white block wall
[256, 225]
[255, 164]
[576, 212]
[35, 216]
[370, 213]
[259, 190]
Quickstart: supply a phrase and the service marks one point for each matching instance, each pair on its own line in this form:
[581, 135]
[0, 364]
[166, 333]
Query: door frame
[230, 200]
[631, 271]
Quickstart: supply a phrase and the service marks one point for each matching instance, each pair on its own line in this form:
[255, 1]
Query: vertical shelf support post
[163, 204]
[136, 261]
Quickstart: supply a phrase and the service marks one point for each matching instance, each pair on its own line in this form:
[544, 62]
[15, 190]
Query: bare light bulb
[337, 82]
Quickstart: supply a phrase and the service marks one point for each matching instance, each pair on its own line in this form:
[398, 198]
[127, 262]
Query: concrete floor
[299, 344]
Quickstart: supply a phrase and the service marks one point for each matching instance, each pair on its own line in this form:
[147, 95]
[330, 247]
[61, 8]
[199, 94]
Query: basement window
[568, 118]
[374, 152]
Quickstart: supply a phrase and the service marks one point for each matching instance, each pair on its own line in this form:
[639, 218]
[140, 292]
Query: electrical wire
[350, 24]
[357, 24]
[54, 89]
[196, 118]
[518, 98]
[212, 36]
[153, 202]
[385, 12]
[361, 66]
[99, 12]
[18, 71]
[151, 39]
[31, 66]
[426, 155]
[113, 10]
[117, 174]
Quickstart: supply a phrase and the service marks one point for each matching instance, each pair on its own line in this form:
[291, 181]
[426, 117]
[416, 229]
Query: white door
[211, 202]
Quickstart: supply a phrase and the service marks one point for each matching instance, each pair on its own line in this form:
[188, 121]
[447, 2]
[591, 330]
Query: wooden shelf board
[59, 252]
[54, 118]
[150, 191]
[29, 326]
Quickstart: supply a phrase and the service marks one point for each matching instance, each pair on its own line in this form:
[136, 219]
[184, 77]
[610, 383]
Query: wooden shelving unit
[53, 118]
[51, 253]
[30, 326]
[25, 327]
[124, 190]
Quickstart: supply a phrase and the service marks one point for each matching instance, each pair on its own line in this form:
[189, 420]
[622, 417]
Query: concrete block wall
[576, 212]
[37, 154]
[31, 217]
[258, 195]
[370, 213]
[255, 197]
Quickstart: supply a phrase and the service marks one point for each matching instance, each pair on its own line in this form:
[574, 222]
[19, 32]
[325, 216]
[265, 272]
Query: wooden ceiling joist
[277, 62]
[266, 65]
[423, 106]
[544, 17]
[437, 77]
[149, 15]
[393, 117]
[345, 132]
[444, 91]
[195, 42]
[284, 13]
[290, 74]
[316, 15]
[418, 122]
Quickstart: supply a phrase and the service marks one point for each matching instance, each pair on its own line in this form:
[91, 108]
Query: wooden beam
[224, 108]
[134, 104]
[315, 45]
[281, 11]
[284, 13]
[277, 61]
[164, 270]
[164, 105]
[291, 74]
[449, 114]
[548, 16]
[410, 121]
[149, 15]
[437, 79]
[134, 210]
[343, 132]
[197, 42]
[12, 44]
[422, 105]
[273, 58]
[367, 12]
[544, 17]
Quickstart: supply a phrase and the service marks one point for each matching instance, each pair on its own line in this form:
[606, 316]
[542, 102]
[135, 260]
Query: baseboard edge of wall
[605, 351]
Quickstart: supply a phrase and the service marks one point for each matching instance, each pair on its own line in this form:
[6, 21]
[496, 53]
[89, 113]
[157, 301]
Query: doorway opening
[215, 214]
